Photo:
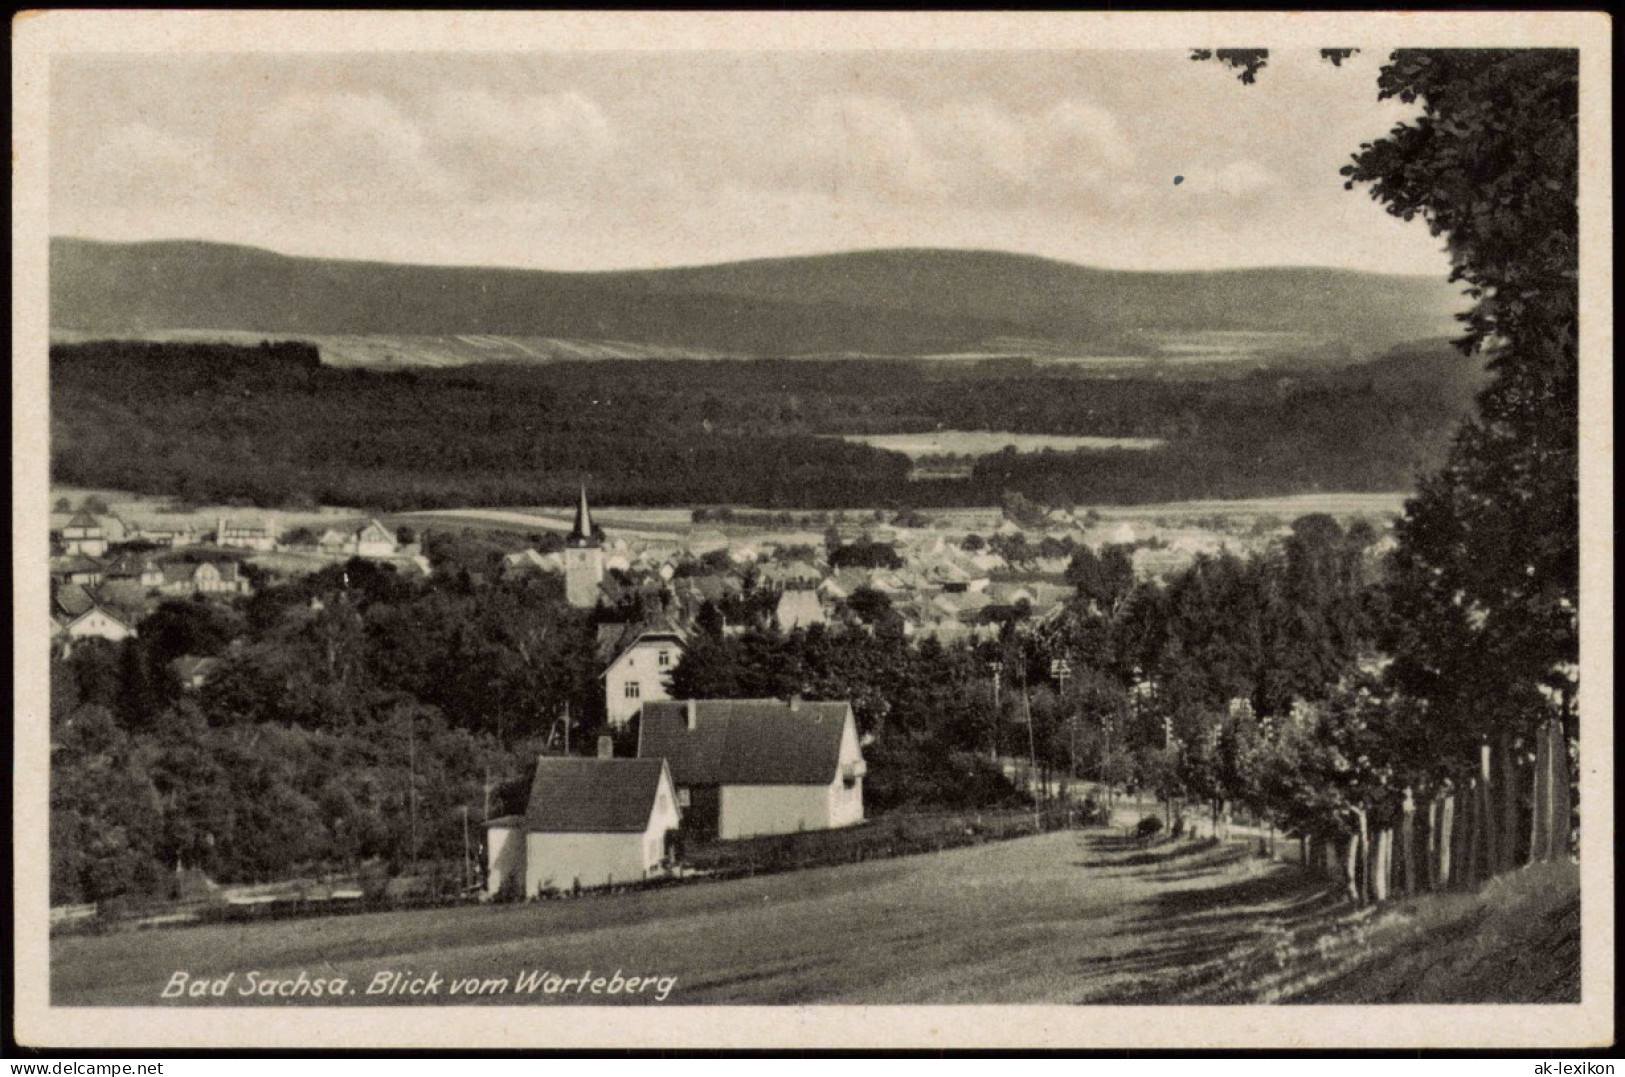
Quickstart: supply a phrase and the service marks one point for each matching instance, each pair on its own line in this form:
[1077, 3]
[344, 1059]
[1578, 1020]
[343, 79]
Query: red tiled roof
[745, 741]
[571, 795]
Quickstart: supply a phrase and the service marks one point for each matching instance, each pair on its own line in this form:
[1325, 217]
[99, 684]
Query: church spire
[582, 533]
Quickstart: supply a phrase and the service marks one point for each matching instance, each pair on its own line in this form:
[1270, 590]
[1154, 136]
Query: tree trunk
[1562, 794]
[1489, 820]
[1447, 835]
[1351, 869]
[1383, 857]
[1407, 843]
[1509, 804]
[1430, 863]
[1365, 858]
[1540, 807]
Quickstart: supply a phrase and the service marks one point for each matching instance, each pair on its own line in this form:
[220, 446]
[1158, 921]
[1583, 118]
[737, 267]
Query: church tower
[583, 559]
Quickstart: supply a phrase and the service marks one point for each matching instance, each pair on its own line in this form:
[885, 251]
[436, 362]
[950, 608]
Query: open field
[1287, 508]
[385, 351]
[648, 524]
[988, 442]
[159, 511]
[1067, 917]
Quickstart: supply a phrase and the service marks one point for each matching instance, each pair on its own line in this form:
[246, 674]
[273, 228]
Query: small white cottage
[744, 767]
[589, 822]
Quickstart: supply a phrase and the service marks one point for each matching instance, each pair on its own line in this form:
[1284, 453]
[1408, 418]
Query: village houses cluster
[710, 769]
[109, 572]
[726, 768]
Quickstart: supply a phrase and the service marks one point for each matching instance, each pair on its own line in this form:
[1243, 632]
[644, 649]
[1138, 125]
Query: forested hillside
[896, 302]
[273, 426]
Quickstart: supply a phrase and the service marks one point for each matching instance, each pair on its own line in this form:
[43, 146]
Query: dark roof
[73, 600]
[614, 640]
[189, 666]
[572, 795]
[131, 565]
[75, 563]
[745, 741]
[84, 519]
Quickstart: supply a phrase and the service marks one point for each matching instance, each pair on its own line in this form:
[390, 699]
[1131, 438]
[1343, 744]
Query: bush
[1149, 827]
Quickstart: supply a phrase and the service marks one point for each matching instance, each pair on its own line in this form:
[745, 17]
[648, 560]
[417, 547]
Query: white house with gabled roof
[744, 767]
[639, 662]
[588, 822]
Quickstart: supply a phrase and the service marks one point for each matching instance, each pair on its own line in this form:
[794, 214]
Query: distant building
[791, 574]
[744, 767]
[638, 665]
[241, 536]
[799, 609]
[170, 537]
[84, 536]
[77, 568]
[589, 822]
[144, 571]
[202, 578]
[529, 560]
[193, 671]
[89, 622]
[583, 559]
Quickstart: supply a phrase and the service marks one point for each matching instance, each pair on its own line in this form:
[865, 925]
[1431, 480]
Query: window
[632, 690]
[665, 659]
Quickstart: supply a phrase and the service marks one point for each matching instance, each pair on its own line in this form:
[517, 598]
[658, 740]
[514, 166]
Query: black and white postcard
[812, 530]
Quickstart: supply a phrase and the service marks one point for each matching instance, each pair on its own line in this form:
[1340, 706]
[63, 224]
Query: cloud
[504, 146]
[136, 162]
[1243, 179]
[334, 148]
[969, 153]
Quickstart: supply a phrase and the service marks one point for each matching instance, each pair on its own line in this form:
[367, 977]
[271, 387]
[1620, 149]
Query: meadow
[1066, 917]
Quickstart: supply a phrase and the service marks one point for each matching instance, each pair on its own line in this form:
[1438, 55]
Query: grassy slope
[1069, 917]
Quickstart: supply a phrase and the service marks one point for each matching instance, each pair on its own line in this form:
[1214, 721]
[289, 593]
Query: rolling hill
[885, 302]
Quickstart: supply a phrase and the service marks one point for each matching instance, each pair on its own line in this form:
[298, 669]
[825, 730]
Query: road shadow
[1120, 852]
[1208, 943]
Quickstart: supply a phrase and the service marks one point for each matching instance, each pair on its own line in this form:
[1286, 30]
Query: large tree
[1485, 588]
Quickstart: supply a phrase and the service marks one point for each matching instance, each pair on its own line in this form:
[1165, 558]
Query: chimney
[606, 747]
[691, 714]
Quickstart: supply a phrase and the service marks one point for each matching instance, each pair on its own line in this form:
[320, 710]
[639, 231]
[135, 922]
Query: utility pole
[1032, 750]
[468, 862]
[1061, 670]
[997, 669]
[412, 788]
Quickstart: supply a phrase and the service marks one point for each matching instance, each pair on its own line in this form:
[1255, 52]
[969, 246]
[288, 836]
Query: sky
[605, 160]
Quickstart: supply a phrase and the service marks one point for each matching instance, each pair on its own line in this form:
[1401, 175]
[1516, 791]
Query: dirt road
[1066, 917]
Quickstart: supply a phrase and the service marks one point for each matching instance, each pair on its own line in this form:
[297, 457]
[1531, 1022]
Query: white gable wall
[562, 860]
[595, 859]
[100, 625]
[505, 853]
[748, 810]
[639, 665]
